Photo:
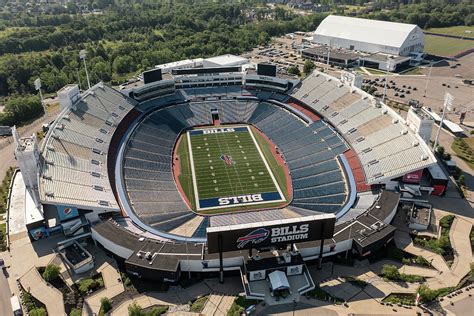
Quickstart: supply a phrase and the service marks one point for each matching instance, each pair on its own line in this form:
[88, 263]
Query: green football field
[229, 169]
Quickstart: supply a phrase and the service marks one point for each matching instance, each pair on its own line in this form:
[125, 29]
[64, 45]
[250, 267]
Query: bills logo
[227, 159]
[38, 235]
[240, 199]
[218, 130]
[67, 211]
[255, 237]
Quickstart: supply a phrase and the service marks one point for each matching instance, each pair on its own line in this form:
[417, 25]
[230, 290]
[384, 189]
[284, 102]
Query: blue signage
[240, 199]
[66, 212]
[39, 233]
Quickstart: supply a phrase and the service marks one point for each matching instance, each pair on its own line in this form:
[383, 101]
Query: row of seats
[310, 152]
[74, 162]
[364, 122]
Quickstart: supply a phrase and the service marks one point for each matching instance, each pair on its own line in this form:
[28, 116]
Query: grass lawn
[442, 245]
[239, 306]
[443, 46]
[400, 298]
[375, 72]
[198, 305]
[4, 188]
[464, 149]
[454, 30]
[3, 236]
[413, 71]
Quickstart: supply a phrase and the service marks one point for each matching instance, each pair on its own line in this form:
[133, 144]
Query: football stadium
[223, 170]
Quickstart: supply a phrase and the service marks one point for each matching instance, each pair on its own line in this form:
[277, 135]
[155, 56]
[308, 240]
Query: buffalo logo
[227, 159]
[67, 211]
[37, 235]
[255, 237]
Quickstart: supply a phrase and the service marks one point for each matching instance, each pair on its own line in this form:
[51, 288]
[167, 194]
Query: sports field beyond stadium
[229, 169]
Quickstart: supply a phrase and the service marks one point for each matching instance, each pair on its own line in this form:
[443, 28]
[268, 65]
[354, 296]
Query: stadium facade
[105, 171]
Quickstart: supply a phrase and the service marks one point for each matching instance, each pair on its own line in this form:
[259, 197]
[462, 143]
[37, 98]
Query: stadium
[224, 170]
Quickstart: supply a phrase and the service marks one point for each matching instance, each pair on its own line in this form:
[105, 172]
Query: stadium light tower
[82, 55]
[37, 83]
[448, 105]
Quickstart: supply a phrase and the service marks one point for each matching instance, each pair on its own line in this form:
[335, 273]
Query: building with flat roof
[370, 36]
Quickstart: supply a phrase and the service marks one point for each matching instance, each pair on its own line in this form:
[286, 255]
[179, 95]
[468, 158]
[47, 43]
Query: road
[7, 146]
[5, 294]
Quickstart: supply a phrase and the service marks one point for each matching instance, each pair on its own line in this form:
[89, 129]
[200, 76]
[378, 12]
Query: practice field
[462, 30]
[445, 46]
[229, 171]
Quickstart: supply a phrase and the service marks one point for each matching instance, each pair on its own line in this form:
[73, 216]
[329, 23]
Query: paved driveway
[5, 294]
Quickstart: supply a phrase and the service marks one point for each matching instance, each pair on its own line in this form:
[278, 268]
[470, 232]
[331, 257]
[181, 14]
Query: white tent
[278, 281]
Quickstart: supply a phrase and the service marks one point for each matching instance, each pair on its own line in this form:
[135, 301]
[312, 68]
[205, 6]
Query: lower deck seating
[310, 152]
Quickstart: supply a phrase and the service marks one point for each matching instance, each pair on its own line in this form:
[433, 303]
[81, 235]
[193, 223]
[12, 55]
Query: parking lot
[283, 51]
[445, 77]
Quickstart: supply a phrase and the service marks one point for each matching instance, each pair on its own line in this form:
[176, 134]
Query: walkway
[113, 286]
[403, 241]
[145, 301]
[460, 241]
[218, 305]
[176, 295]
[33, 282]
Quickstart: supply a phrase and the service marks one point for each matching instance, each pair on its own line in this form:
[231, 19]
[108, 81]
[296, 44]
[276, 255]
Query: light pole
[428, 79]
[389, 64]
[82, 55]
[37, 83]
[329, 52]
[448, 102]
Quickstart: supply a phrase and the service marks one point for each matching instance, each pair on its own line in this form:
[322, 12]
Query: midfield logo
[227, 159]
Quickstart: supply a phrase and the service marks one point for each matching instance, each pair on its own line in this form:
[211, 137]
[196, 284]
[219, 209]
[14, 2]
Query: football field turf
[229, 169]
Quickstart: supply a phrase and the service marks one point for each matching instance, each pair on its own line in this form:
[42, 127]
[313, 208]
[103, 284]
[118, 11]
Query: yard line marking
[193, 173]
[226, 171]
[234, 166]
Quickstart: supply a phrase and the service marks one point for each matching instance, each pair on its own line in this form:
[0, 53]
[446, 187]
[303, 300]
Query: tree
[105, 304]
[440, 150]
[390, 272]
[75, 312]
[426, 294]
[51, 272]
[37, 312]
[294, 70]
[469, 20]
[308, 67]
[123, 64]
[135, 310]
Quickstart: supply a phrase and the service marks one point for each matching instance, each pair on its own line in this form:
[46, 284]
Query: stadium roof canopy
[365, 30]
